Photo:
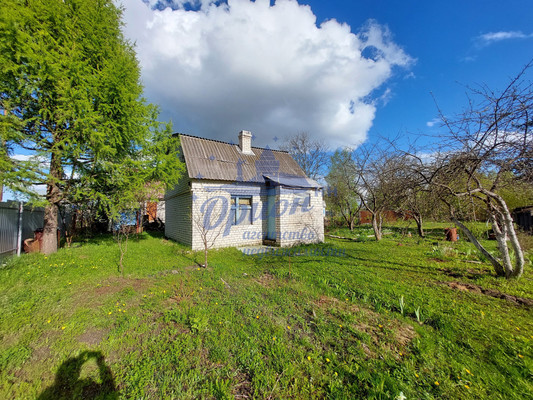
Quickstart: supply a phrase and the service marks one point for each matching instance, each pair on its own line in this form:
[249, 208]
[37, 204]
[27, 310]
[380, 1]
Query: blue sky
[446, 38]
[424, 48]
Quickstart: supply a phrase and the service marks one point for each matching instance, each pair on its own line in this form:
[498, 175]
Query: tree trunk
[420, 229]
[498, 268]
[49, 244]
[352, 223]
[508, 228]
[376, 225]
[501, 239]
[513, 238]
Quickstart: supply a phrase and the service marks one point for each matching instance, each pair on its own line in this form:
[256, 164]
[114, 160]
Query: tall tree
[488, 150]
[69, 85]
[310, 154]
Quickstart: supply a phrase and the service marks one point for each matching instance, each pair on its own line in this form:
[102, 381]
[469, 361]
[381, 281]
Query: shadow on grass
[69, 384]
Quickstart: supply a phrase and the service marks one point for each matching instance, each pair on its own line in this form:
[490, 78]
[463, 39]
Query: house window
[241, 210]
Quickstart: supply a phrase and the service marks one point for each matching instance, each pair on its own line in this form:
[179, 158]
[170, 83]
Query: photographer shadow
[69, 385]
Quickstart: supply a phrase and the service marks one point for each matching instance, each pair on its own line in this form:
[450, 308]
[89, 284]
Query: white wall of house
[300, 224]
[178, 204]
[187, 204]
[221, 232]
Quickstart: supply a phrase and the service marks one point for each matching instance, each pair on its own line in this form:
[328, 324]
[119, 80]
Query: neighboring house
[239, 195]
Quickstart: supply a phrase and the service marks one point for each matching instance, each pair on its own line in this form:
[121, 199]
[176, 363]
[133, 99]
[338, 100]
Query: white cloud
[218, 68]
[493, 37]
[433, 122]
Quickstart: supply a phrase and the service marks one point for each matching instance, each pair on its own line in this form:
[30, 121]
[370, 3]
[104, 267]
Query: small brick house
[239, 195]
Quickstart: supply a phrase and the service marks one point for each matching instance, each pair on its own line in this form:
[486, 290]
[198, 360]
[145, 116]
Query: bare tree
[488, 146]
[209, 221]
[381, 180]
[311, 155]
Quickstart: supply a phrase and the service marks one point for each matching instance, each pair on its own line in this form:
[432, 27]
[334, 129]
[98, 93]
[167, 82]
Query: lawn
[346, 319]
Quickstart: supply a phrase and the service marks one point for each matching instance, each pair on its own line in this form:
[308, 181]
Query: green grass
[375, 320]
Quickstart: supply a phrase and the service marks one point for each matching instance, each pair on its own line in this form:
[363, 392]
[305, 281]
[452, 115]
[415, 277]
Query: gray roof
[215, 160]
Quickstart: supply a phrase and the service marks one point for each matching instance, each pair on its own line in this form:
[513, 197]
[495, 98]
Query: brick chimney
[245, 142]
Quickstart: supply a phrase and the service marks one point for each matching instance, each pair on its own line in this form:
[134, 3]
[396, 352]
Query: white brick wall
[184, 203]
[178, 211]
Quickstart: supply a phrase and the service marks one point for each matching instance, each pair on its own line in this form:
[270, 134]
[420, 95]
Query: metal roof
[221, 161]
[293, 181]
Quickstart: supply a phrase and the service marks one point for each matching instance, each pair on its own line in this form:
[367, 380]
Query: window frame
[236, 208]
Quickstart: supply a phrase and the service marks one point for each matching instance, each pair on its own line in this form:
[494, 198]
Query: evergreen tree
[71, 97]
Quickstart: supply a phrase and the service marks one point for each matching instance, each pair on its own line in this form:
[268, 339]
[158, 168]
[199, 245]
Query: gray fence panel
[8, 228]
[32, 219]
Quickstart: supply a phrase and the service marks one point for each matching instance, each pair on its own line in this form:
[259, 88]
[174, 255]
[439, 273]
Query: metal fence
[17, 223]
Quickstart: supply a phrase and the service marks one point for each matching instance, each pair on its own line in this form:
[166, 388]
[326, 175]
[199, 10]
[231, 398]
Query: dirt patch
[404, 334]
[326, 301]
[469, 287]
[93, 336]
[266, 280]
[49, 337]
[96, 296]
[385, 333]
[243, 388]
[40, 353]
[9, 340]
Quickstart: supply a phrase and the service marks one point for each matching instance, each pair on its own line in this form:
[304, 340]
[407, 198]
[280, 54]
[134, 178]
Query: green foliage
[342, 196]
[69, 85]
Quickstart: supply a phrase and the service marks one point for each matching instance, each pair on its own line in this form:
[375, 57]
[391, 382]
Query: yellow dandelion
[257, 316]
[198, 269]
[110, 312]
[437, 383]
[340, 326]
[70, 283]
[48, 321]
[288, 327]
[327, 360]
[417, 375]
[521, 356]
[466, 386]
[216, 304]
[401, 354]
[62, 327]
[123, 304]
[119, 310]
[309, 358]
[336, 374]
[274, 338]
[346, 299]
[144, 296]
[381, 326]
[123, 310]
[468, 371]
